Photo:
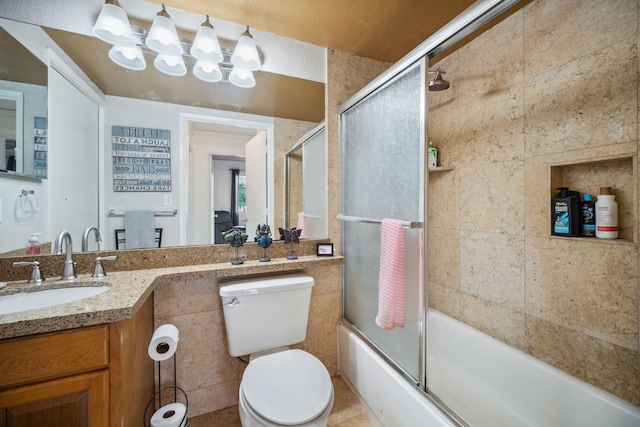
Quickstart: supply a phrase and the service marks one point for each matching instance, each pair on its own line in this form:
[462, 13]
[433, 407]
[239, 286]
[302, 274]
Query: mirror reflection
[284, 108]
[306, 189]
[23, 110]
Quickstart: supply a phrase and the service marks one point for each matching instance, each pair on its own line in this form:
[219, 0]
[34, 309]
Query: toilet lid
[290, 387]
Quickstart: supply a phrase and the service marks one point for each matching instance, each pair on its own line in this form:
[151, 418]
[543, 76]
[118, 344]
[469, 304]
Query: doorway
[213, 148]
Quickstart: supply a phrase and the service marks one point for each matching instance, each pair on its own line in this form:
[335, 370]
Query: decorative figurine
[290, 236]
[236, 238]
[263, 237]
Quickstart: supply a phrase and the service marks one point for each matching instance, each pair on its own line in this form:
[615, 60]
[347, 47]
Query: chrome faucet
[85, 237]
[69, 270]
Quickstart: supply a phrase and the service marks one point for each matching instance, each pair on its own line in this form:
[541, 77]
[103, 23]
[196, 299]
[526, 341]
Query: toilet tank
[265, 313]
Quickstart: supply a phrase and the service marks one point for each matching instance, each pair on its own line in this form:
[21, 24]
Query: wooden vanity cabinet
[97, 376]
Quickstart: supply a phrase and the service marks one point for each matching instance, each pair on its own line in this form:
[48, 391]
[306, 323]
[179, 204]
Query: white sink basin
[23, 301]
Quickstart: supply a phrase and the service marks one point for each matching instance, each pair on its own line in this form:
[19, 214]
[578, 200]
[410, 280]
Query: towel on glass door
[302, 225]
[139, 229]
[392, 277]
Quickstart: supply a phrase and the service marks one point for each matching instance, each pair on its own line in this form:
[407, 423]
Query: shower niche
[588, 176]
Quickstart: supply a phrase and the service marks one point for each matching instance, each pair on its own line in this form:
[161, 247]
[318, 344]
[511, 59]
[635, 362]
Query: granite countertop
[129, 290]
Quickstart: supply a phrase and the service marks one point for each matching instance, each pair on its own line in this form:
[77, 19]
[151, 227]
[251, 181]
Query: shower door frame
[470, 20]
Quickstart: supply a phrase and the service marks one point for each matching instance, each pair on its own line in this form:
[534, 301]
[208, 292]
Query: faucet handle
[98, 270]
[36, 274]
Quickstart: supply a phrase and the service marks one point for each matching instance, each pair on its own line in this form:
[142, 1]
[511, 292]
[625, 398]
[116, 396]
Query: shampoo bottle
[588, 219]
[565, 213]
[606, 215]
[33, 245]
[432, 160]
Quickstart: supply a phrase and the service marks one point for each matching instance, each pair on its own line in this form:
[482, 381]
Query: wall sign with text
[141, 159]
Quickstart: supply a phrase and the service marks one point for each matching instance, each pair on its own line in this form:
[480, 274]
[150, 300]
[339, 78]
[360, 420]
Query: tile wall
[548, 96]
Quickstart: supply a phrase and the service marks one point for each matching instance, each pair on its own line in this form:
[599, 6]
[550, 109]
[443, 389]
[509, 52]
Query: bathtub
[489, 382]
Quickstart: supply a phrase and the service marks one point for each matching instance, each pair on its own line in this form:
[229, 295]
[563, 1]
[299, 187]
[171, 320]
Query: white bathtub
[485, 380]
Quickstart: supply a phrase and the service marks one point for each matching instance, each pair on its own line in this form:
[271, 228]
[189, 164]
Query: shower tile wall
[554, 84]
[205, 370]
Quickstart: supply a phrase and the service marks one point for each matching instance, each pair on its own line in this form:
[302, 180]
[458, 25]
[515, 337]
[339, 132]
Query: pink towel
[302, 225]
[392, 279]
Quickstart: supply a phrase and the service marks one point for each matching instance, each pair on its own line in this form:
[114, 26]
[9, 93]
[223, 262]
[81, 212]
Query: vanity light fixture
[206, 46]
[246, 53]
[112, 25]
[129, 57]
[172, 65]
[163, 37]
[212, 63]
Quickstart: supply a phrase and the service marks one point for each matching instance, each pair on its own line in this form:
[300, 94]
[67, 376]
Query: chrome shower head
[438, 83]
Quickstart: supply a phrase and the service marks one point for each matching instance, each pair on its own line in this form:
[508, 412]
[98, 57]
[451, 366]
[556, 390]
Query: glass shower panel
[382, 140]
[314, 171]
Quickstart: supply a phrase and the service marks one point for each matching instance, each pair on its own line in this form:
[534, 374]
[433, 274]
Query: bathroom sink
[23, 301]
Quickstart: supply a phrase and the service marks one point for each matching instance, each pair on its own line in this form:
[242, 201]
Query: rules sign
[141, 159]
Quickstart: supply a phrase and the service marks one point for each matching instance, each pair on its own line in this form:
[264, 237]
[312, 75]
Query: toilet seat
[287, 388]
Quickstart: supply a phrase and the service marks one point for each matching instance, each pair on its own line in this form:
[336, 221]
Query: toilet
[280, 386]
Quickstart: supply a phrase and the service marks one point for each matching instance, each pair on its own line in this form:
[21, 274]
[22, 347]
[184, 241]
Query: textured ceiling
[384, 30]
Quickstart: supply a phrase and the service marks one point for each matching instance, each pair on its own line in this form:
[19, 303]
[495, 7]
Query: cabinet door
[76, 401]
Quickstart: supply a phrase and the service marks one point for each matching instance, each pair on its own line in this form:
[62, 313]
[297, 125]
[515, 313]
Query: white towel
[392, 276]
[140, 229]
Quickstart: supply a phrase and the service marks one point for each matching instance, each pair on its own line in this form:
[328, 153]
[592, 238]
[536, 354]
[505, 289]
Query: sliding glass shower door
[382, 140]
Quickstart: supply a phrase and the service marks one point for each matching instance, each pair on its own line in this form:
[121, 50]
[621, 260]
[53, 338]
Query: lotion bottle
[606, 214]
[33, 245]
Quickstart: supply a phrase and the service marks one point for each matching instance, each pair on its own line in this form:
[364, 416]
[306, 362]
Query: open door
[257, 185]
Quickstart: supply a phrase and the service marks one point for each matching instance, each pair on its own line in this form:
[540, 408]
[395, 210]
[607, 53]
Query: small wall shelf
[440, 169]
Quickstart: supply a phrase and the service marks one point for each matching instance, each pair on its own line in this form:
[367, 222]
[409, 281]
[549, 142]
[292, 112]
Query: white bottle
[432, 160]
[606, 215]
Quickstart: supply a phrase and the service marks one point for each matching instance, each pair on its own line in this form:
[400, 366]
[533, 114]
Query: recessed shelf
[589, 176]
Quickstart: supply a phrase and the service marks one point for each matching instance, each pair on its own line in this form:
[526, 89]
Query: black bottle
[565, 213]
[588, 217]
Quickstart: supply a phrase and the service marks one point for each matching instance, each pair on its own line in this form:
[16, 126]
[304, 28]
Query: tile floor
[346, 412]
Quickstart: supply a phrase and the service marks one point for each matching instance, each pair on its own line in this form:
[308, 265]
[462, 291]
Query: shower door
[382, 139]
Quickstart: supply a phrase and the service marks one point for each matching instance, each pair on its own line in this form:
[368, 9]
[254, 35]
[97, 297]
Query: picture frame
[324, 249]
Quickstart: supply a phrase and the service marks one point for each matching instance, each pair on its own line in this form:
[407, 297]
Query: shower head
[438, 83]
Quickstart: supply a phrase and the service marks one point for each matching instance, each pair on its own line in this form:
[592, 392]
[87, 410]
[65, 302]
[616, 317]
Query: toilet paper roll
[164, 342]
[170, 415]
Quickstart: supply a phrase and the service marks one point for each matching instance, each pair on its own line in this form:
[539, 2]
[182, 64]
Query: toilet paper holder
[158, 394]
[175, 413]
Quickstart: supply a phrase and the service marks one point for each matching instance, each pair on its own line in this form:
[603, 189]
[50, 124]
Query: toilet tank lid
[257, 285]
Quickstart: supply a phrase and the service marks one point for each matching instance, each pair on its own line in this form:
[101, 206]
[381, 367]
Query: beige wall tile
[500, 322]
[443, 209]
[444, 299]
[585, 285]
[492, 62]
[558, 32]
[605, 365]
[443, 257]
[492, 267]
[493, 129]
[492, 198]
[585, 103]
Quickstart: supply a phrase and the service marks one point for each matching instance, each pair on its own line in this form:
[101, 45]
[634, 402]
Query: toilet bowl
[286, 388]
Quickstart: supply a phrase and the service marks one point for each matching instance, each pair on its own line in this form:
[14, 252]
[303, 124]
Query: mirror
[294, 105]
[23, 110]
[306, 185]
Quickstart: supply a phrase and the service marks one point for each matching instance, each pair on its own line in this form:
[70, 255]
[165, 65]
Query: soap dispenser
[33, 244]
